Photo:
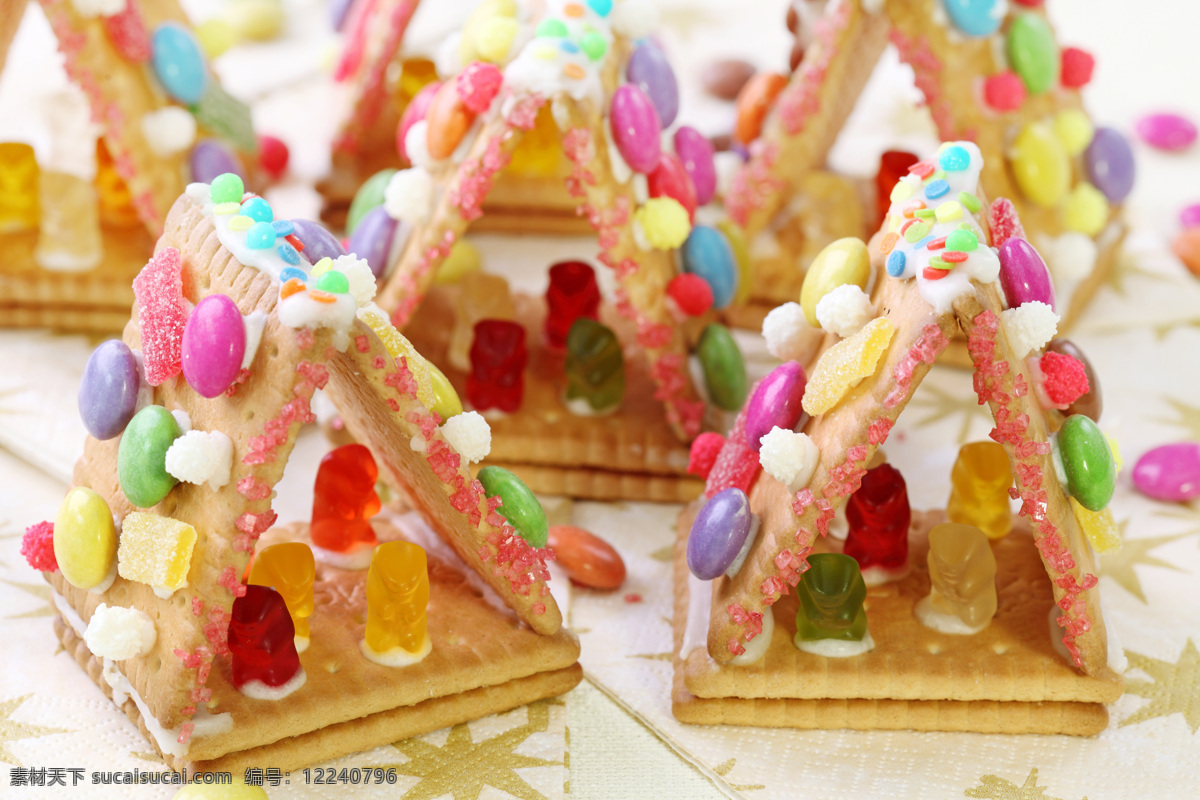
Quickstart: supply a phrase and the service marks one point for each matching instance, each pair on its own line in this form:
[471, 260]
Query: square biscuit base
[1005, 679]
[628, 455]
[483, 661]
[96, 301]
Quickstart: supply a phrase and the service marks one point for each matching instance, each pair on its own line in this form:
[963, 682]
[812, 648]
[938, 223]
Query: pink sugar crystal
[478, 84]
[705, 449]
[229, 579]
[127, 32]
[523, 114]
[253, 488]
[162, 314]
[37, 545]
[1004, 222]
[362, 343]
[197, 606]
[253, 524]
[736, 465]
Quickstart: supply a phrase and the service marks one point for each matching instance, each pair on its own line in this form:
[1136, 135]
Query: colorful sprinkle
[924, 213]
[322, 266]
[294, 241]
[912, 208]
[936, 188]
[227, 188]
[954, 256]
[574, 71]
[334, 282]
[932, 274]
[970, 202]
[937, 262]
[963, 240]
[292, 273]
[240, 223]
[290, 287]
[954, 158]
[258, 210]
[223, 209]
[901, 191]
[594, 45]
[288, 253]
[567, 46]
[573, 10]
[283, 227]
[922, 243]
[937, 244]
[602, 7]
[322, 297]
[260, 236]
[949, 211]
[895, 263]
[552, 28]
[922, 169]
[889, 243]
[916, 230]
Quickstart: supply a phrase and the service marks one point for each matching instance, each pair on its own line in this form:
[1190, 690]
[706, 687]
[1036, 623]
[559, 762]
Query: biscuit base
[1006, 679]
[484, 661]
[629, 455]
[96, 301]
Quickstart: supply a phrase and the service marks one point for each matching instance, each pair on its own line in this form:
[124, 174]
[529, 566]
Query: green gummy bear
[595, 366]
[831, 593]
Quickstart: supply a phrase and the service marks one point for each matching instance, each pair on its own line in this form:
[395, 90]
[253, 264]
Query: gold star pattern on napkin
[1125, 266]
[462, 767]
[993, 787]
[1175, 688]
[1118, 564]
[41, 591]
[13, 731]
[1188, 417]
[940, 405]
[724, 768]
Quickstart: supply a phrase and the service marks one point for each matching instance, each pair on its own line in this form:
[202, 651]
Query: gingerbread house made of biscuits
[587, 71]
[992, 73]
[77, 225]
[807, 443]
[193, 415]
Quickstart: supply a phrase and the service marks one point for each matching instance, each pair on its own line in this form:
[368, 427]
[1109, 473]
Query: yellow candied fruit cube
[948, 211]
[1098, 526]
[846, 364]
[156, 551]
[398, 346]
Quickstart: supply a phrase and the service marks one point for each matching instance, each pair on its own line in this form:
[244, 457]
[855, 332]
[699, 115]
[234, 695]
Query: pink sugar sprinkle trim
[1004, 222]
[253, 488]
[925, 350]
[478, 84]
[1012, 430]
[755, 185]
[802, 97]
[927, 69]
[373, 91]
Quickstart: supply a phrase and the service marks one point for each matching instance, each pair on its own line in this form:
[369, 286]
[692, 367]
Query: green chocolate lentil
[142, 456]
[724, 369]
[517, 504]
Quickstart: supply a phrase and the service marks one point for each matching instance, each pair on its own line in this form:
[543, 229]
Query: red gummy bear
[498, 356]
[573, 293]
[893, 165]
[878, 515]
[262, 638]
[344, 499]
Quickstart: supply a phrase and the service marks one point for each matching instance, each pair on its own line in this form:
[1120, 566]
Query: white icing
[788, 457]
[582, 408]
[106, 581]
[634, 19]
[639, 236]
[183, 420]
[118, 633]
[695, 632]
[930, 617]
[409, 195]
[839, 527]
[836, 648]
[727, 165]
[266, 259]
[735, 566]
[201, 457]
[145, 394]
[169, 130]
[470, 435]
[301, 643]
[300, 310]
[872, 6]
[877, 576]
[982, 264]
[258, 690]
[845, 310]
[621, 170]
[254, 322]
[1029, 327]
[206, 723]
[164, 592]
[446, 59]
[1116, 654]
[757, 647]
[397, 656]
[98, 8]
[541, 65]
[641, 189]
[356, 558]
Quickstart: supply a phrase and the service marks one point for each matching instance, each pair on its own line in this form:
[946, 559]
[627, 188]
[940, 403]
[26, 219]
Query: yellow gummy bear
[962, 573]
[156, 551]
[397, 598]
[288, 568]
[398, 346]
[1098, 526]
[979, 485]
[1086, 210]
[846, 364]
[664, 221]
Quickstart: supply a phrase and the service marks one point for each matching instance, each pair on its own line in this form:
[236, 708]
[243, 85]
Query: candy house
[990, 72]
[598, 402]
[972, 618]
[79, 216]
[232, 641]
